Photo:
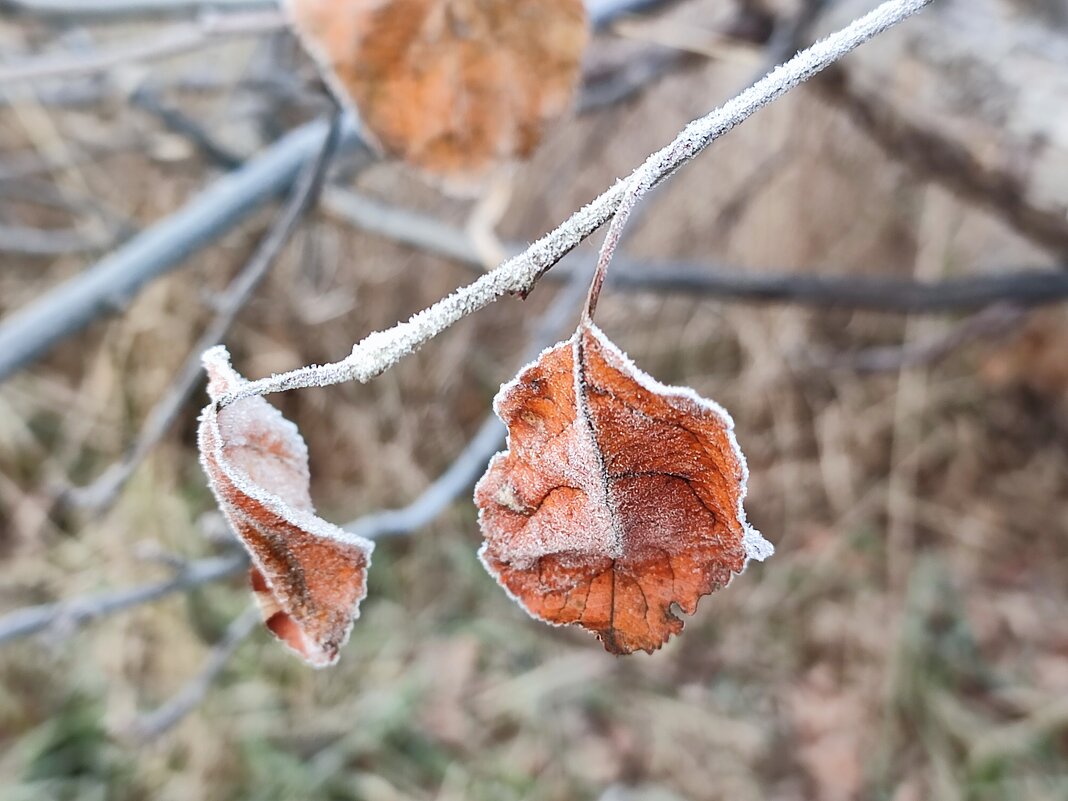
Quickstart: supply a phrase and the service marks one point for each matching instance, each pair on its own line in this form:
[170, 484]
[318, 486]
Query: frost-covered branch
[106, 286]
[381, 350]
[471, 462]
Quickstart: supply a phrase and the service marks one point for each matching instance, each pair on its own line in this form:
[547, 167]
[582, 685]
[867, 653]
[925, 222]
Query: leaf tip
[756, 547]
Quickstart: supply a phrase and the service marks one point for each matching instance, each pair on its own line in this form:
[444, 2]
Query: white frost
[274, 495]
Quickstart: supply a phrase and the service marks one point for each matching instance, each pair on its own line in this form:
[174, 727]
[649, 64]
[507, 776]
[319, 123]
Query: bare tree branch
[601, 91]
[990, 323]
[108, 285]
[125, 10]
[210, 30]
[901, 296]
[1033, 287]
[178, 122]
[72, 614]
[381, 350]
[102, 492]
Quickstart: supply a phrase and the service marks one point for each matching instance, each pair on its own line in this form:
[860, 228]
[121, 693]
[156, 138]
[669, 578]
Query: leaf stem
[636, 189]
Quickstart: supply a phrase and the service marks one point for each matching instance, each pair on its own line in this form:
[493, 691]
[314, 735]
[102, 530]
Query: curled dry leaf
[617, 498]
[454, 88]
[308, 575]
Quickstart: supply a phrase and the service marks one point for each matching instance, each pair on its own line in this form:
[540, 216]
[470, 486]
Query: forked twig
[381, 350]
[211, 29]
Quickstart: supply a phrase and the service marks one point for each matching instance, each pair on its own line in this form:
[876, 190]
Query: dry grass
[908, 640]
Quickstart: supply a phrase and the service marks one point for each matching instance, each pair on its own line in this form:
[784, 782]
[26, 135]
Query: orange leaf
[454, 88]
[308, 575]
[618, 496]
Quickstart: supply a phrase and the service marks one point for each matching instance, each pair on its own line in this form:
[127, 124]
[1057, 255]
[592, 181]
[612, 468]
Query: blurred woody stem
[601, 11]
[381, 350]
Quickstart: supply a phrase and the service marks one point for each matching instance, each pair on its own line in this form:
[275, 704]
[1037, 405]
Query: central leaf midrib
[582, 410]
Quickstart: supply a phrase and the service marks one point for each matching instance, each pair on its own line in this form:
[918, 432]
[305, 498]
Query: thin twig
[381, 350]
[1024, 287]
[109, 284]
[126, 10]
[74, 613]
[601, 11]
[148, 99]
[786, 37]
[102, 492]
[152, 725]
[637, 188]
[990, 323]
[630, 78]
[210, 30]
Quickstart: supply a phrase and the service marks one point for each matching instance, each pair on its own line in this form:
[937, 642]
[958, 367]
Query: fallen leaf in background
[617, 498]
[308, 575]
[455, 88]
